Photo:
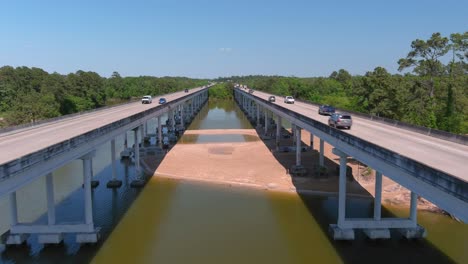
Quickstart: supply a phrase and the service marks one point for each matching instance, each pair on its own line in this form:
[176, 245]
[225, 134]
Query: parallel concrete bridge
[430, 167]
[32, 152]
[431, 164]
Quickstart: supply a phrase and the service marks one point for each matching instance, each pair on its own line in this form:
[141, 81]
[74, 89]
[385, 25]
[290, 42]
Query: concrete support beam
[13, 209]
[142, 133]
[137, 152]
[113, 183]
[50, 238]
[114, 165]
[266, 121]
[414, 207]
[50, 199]
[321, 154]
[298, 146]
[378, 196]
[87, 176]
[160, 131]
[258, 115]
[342, 187]
[311, 141]
[14, 239]
[293, 133]
[278, 131]
[378, 233]
[182, 121]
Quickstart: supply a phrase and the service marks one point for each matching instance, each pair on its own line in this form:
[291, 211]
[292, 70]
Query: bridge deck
[439, 154]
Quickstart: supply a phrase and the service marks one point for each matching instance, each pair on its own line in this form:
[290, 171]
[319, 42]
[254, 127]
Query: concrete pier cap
[91, 237]
[339, 153]
[338, 233]
[50, 238]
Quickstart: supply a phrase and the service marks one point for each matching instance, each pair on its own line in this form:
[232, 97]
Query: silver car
[289, 100]
[340, 120]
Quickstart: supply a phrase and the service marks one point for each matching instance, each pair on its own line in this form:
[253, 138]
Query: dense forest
[431, 91]
[32, 94]
[433, 94]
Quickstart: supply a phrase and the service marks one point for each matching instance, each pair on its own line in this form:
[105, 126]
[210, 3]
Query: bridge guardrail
[58, 118]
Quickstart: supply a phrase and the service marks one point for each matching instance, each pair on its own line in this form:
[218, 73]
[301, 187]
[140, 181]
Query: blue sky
[208, 39]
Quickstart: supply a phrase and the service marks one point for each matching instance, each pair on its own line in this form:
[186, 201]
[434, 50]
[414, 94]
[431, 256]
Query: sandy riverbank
[255, 164]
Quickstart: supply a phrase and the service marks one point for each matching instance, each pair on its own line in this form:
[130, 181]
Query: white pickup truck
[147, 99]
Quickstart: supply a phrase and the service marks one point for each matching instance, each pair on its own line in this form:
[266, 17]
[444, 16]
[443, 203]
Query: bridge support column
[416, 231]
[113, 183]
[339, 231]
[14, 239]
[182, 121]
[93, 234]
[160, 132]
[54, 238]
[298, 146]
[321, 158]
[375, 227]
[378, 195]
[192, 107]
[266, 121]
[278, 131]
[311, 141]
[258, 115]
[138, 181]
[173, 120]
[293, 133]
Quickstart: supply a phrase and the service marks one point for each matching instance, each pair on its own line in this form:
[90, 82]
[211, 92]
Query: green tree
[424, 58]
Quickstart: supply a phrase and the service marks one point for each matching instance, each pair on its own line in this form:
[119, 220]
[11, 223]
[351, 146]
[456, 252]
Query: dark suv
[326, 110]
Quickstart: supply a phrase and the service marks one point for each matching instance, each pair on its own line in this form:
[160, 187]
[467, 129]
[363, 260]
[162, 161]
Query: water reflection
[220, 114]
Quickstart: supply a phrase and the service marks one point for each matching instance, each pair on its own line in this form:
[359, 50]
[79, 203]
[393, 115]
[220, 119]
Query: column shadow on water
[324, 209]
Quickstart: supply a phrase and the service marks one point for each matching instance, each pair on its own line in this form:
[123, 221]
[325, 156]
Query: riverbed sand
[257, 164]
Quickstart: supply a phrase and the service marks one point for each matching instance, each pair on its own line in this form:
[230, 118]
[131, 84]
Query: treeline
[434, 94]
[32, 94]
[221, 91]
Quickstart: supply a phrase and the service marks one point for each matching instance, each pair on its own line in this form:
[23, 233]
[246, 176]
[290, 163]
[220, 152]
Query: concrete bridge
[36, 151]
[432, 166]
[428, 166]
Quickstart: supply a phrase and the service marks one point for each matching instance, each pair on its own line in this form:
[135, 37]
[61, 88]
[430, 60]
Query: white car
[289, 100]
[147, 99]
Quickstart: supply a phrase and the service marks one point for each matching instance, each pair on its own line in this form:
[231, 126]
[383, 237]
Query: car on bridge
[326, 110]
[338, 120]
[186, 90]
[147, 99]
[272, 99]
[289, 100]
[162, 100]
[251, 91]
